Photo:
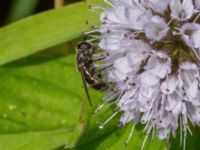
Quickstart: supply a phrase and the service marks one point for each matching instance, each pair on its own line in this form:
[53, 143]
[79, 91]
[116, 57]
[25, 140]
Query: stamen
[130, 135]
[111, 97]
[152, 135]
[189, 130]
[185, 136]
[184, 122]
[170, 22]
[104, 106]
[181, 131]
[177, 28]
[93, 36]
[98, 109]
[133, 95]
[149, 130]
[91, 40]
[93, 9]
[168, 135]
[90, 32]
[196, 18]
[109, 3]
[98, 7]
[197, 55]
[110, 118]
[147, 124]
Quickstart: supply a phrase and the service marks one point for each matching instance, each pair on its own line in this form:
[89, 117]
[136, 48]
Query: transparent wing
[85, 87]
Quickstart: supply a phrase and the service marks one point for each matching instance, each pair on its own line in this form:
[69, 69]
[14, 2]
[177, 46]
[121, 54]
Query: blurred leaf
[42, 31]
[40, 102]
[192, 141]
[21, 9]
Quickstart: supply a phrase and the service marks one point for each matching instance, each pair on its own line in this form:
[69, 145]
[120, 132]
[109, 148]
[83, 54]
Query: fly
[89, 73]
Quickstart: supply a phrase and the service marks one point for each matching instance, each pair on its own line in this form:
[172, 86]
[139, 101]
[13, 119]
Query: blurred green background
[13, 10]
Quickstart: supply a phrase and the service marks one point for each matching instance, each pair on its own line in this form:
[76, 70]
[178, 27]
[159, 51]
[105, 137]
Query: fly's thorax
[84, 47]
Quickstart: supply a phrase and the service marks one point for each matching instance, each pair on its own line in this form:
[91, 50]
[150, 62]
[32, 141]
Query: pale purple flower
[191, 34]
[156, 28]
[158, 5]
[154, 58]
[197, 4]
[182, 9]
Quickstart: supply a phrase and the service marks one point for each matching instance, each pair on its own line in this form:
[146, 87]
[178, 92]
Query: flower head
[154, 49]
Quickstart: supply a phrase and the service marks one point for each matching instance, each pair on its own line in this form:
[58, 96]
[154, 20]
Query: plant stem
[59, 3]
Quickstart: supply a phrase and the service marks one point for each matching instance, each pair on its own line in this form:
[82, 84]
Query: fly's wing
[85, 87]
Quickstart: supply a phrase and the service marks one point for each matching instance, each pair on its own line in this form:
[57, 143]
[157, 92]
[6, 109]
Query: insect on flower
[154, 49]
[89, 73]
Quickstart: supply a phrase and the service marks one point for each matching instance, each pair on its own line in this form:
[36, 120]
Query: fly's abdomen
[93, 78]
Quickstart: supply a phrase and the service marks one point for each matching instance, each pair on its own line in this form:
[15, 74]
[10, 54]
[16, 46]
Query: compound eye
[84, 46]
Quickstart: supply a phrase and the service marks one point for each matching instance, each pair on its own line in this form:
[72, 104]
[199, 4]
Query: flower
[154, 51]
[190, 34]
[182, 9]
[156, 28]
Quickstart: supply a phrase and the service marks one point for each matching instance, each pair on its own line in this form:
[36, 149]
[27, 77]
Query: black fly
[89, 73]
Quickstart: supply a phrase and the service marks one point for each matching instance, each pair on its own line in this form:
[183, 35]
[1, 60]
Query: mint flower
[153, 49]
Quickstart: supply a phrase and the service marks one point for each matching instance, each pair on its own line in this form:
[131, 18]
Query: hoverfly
[89, 73]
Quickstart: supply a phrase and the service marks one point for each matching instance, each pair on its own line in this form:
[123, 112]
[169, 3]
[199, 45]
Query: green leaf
[21, 9]
[40, 102]
[113, 137]
[192, 141]
[42, 31]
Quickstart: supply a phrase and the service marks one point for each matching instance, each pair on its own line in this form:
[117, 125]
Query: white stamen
[109, 3]
[189, 130]
[196, 54]
[181, 131]
[130, 135]
[152, 135]
[196, 18]
[149, 130]
[110, 118]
